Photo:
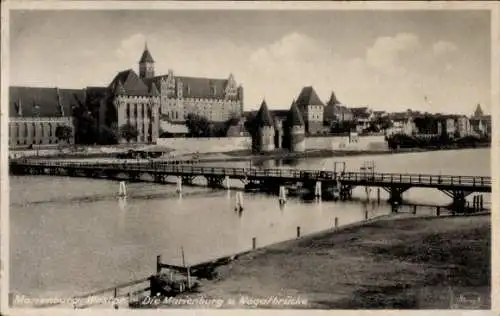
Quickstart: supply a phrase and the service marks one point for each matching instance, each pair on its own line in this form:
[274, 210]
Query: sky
[436, 61]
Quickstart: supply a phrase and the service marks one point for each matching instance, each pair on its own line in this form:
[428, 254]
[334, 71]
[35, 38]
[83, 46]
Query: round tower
[296, 132]
[146, 64]
[263, 140]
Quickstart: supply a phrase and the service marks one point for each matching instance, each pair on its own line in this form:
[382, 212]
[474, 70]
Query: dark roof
[146, 56]
[196, 87]
[308, 97]
[132, 84]
[294, 117]
[333, 100]
[43, 102]
[153, 90]
[263, 117]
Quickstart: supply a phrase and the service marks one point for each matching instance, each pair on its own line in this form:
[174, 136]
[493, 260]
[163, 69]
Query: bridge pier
[345, 192]
[188, 180]
[396, 193]
[216, 182]
[459, 200]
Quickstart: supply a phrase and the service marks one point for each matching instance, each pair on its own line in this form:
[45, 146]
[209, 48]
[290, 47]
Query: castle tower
[263, 140]
[146, 64]
[296, 129]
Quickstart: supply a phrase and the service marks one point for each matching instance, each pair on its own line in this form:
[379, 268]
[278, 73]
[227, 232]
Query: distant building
[362, 116]
[312, 110]
[402, 124]
[462, 126]
[35, 114]
[336, 112]
[480, 123]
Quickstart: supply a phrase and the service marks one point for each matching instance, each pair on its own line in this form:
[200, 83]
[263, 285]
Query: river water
[74, 235]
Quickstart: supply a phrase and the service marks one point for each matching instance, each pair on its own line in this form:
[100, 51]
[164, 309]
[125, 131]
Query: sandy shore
[404, 263]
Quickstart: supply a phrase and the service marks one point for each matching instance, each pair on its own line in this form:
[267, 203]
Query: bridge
[312, 182]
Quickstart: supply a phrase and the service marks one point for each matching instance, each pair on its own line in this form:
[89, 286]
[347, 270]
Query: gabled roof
[263, 117]
[132, 84]
[308, 97]
[146, 56]
[294, 117]
[43, 102]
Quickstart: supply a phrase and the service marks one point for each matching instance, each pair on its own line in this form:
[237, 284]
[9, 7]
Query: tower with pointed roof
[312, 110]
[295, 129]
[263, 139]
[146, 64]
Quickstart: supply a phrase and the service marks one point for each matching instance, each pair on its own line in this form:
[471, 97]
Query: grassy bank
[400, 263]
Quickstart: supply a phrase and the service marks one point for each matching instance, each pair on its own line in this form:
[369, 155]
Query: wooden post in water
[298, 231]
[179, 185]
[122, 190]
[366, 215]
[254, 243]
[481, 205]
[228, 184]
[438, 211]
[282, 196]
[414, 209]
[336, 222]
[115, 296]
[378, 195]
[317, 190]
[158, 264]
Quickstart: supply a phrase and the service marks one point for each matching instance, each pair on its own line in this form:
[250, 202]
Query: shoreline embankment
[390, 262]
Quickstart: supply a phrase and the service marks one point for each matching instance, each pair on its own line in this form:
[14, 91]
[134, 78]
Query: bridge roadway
[457, 187]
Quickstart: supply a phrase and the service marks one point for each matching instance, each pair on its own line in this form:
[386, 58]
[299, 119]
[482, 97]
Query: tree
[64, 132]
[107, 136]
[198, 126]
[128, 131]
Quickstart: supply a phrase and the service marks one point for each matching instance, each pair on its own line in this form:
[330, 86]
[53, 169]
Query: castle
[145, 99]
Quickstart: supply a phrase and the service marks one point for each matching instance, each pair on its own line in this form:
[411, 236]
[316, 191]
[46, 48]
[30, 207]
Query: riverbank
[405, 263]
[247, 155]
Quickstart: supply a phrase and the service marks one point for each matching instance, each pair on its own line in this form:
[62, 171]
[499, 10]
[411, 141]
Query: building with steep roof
[144, 99]
[336, 112]
[295, 130]
[312, 110]
[263, 139]
[35, 114]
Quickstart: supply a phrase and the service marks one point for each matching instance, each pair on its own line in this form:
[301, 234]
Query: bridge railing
[181, 169]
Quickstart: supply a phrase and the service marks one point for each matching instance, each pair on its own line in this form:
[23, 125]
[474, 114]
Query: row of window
[147, 111]
[34, 142]
[17, 129]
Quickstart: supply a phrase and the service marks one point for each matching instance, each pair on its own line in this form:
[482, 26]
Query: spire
[478, 111]
[333, 99]
[294, 117]
[146, 55]
[263, 117]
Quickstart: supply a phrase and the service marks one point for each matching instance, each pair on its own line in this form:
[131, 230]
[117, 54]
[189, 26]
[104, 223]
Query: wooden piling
[158, 264]
[298, 231]
[414, 209]
[378, 195]
[481, 201]
[336, 222]
[254, 243]
[438, 211]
